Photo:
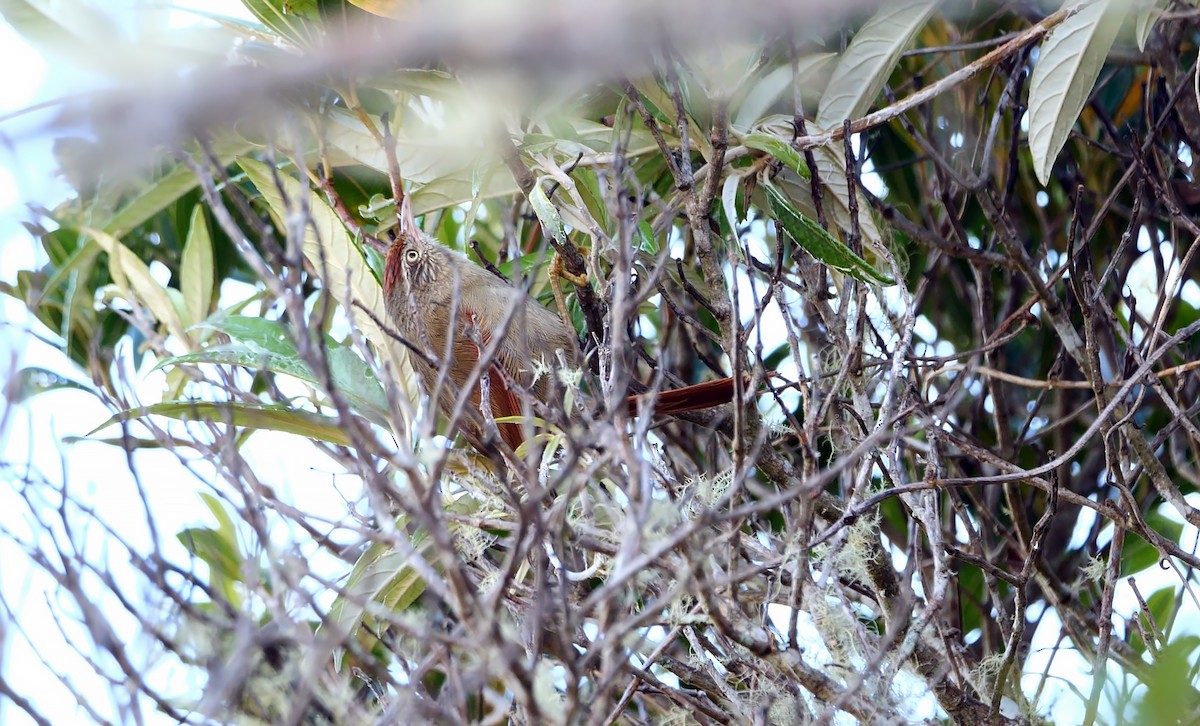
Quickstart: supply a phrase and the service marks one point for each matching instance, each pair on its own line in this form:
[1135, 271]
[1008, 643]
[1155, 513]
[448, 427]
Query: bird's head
[412, 259]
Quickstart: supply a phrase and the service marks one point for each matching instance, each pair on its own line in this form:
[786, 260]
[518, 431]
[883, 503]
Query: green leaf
[1160, 606]
[547, 213]
[151, 200]
[831, 169]
[819, 243]
[349, 276]
[276, 15]
[31, 381]
[1168, 681]
[137, 284]
[644, 240]
[252, 416]
[973, 587]
[1138, 554]
[729, 190]
[196, 268]
[781, 150]
[1068, 64]
[869, 60]
[588, 184]
[381, 576]
[224, 521]
[218, 549]
[267, 345]
[766, 91]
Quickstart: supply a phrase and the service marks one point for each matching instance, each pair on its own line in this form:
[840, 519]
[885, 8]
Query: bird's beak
[406, 225]
[407, 220]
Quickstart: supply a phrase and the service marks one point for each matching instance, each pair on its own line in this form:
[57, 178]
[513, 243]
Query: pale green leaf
[547, 213]
[819, 243]
[196, 268]
[444, 171]
[455, 189]
[244, 415]
[133, 277]
[29, 382]
[780, 149]
[342, 267]
[162, 192]
[870, 59]
[224, 521]
[1148, 13]
[766, 91]
[218, 548]
[729, 191]
[1068, 64]
[381, 577]
[266, 345]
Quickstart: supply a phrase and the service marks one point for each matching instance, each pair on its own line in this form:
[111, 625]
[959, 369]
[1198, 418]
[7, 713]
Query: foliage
[968, 421]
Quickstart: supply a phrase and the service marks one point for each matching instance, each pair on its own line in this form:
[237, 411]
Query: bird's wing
[503, 400]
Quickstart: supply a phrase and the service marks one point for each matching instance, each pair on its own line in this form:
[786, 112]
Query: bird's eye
[412, 255]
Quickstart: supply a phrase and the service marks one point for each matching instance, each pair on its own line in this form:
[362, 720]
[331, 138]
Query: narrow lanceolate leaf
[781, 150]
[870, 58]
[831, 169]
[196, 268]
[244, 415]
[383, 579]
[133, 277]
[31, 381]
[332, 253]
[1067, 67]
[1147, 15]
[819, 243]
[547, 213]
[729, 200]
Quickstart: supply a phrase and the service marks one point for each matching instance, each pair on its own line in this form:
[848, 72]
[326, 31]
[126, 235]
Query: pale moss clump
[549, 699]
[703, 492]
[679, 612]
[663, 520]
[539, 368]
[984, 674]
[1094, 569]
[787, 710]
[472, 542]
[860, 549]
[836, 628]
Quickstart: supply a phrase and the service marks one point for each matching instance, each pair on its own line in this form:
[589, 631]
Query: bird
[450, 311]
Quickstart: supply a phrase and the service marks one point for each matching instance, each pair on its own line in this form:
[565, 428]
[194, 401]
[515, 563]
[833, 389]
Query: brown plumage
[428, 285]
